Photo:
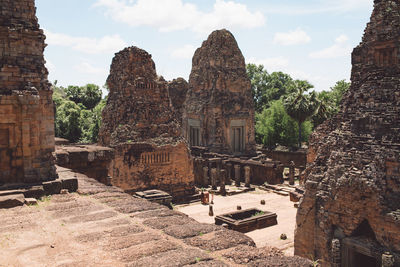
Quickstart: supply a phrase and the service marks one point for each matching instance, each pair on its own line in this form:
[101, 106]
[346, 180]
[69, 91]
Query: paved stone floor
[269, 236]
[102, 226]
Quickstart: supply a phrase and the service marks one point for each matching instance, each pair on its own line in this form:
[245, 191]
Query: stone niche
[26, 106]
[219, 110]
[140, 124]
[350, 212]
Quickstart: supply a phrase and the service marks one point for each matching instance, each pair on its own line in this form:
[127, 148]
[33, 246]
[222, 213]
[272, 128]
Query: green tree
[78, 112]
[88, 95]
[67, 123]
[274, 126]
[299, 105]
[329, 102]
[267, 87]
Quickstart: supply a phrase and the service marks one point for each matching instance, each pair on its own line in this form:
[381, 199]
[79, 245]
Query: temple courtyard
[269, 236]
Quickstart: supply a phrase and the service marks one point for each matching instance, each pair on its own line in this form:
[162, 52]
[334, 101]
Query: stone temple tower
[350, 213]
[26, 106]
[219, 110]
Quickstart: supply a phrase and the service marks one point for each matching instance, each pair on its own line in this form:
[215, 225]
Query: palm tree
[300, 106]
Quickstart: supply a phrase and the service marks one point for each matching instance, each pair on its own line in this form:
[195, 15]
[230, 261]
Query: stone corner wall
[26, 105]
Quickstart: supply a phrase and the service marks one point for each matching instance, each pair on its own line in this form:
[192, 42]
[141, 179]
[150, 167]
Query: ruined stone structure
[139, 123]
[350, 213]
[219, 110]
[26, 106]
[177, 90]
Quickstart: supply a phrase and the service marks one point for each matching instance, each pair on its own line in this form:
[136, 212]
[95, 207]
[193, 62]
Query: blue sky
[309, 40]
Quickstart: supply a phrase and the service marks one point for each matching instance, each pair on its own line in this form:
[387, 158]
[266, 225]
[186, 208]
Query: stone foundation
[137, 167]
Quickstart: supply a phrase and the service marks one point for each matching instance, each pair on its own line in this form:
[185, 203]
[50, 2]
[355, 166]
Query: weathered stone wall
[140, 124]
[219, 96]
[285, 157]
[177, 89]
[137, 167]
[91, 160]
[353, 183]
[26, 106]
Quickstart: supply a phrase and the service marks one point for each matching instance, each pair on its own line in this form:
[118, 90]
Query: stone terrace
[102, 226]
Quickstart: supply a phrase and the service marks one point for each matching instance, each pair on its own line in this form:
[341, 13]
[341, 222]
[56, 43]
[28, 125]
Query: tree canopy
[281, 101]
[78, 112]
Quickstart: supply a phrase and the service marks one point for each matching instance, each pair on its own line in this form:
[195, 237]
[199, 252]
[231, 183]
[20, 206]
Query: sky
[310, 40]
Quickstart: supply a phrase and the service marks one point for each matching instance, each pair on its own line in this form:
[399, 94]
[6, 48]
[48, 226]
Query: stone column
[247, 176]
[214, 178]
[237, 175]
[222, 189]
[387, 260]
[205, 176]
[291, 173]
[336, 255]
[229, 173]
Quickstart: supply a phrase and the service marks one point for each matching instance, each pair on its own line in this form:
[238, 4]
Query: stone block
[11, 201]
[71, 184]
[52, 187]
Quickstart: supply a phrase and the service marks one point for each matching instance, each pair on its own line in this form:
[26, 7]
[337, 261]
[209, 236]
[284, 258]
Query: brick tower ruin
[140, 124]
[350, 213]
[219, 109]
[26, 106]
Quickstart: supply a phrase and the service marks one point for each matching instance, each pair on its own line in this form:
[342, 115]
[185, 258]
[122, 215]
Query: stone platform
[103, 226]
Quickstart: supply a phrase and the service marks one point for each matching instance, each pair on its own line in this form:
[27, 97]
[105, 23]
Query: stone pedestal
[214, 178]
[237, 175]
[247, 176]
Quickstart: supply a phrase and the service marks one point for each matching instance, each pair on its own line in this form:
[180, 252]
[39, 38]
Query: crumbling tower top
[21, 47]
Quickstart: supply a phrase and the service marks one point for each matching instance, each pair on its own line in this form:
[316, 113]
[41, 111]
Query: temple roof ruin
[354, 173]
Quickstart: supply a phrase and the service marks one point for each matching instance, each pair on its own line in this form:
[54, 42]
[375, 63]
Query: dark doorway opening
[364, 260]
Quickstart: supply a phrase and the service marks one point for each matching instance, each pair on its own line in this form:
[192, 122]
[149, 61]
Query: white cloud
[106, 44]
[271, 64]
[185, 52]
[85, 67]
[295, 37]
[50, 66]
[340, 48]
[172, 15]
[320, 6]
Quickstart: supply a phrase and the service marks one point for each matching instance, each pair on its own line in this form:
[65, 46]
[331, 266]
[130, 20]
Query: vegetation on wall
[78, 112]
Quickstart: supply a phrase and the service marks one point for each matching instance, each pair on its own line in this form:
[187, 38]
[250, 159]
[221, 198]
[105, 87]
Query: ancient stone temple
[139, 123]
[219, 109]
[26, 106]
[350, 213]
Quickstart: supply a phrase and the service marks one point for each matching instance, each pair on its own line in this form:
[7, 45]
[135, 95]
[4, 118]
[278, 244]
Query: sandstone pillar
[336, 253]
[247, 176]
[222, 189]
[291, 173]
[214, 178]
[229, 173]
[205, 176]
[237, 175]
[387, 260]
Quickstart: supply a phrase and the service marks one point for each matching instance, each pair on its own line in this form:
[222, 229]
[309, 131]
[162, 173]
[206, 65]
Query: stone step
[11, 201]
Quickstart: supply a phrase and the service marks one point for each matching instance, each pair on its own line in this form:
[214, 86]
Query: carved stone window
[194, 136]
[386, 56]
[237, 139]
